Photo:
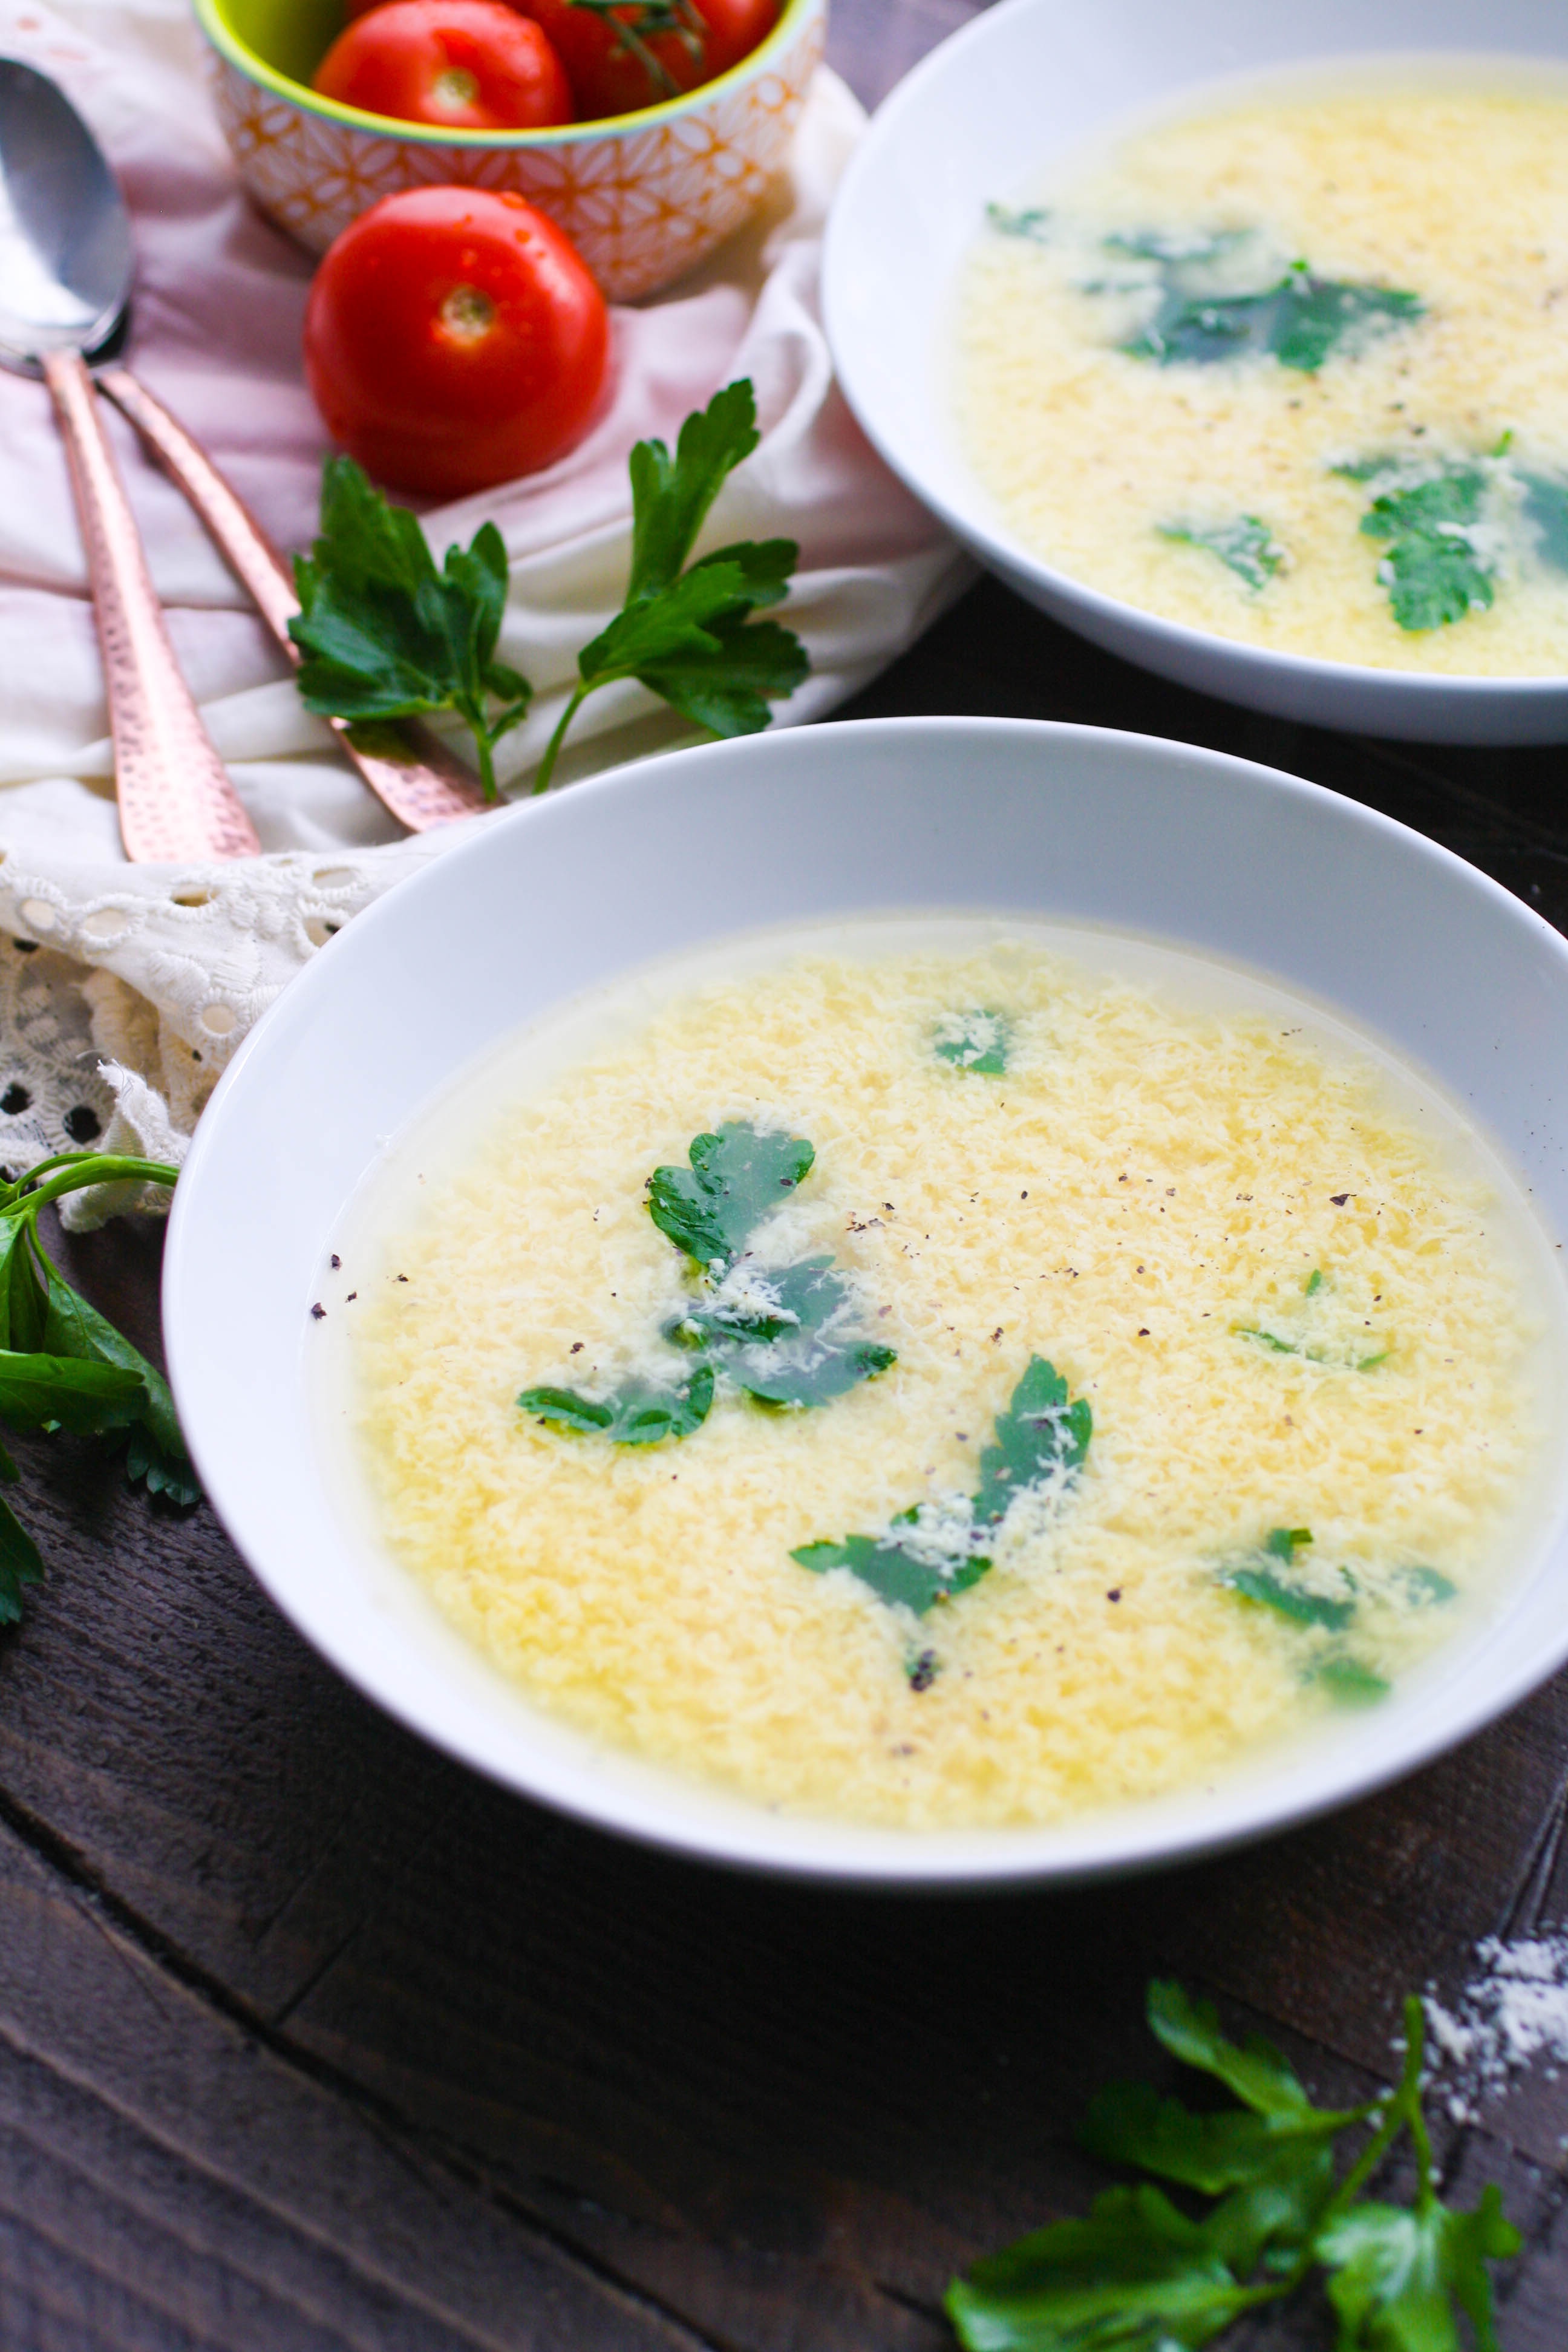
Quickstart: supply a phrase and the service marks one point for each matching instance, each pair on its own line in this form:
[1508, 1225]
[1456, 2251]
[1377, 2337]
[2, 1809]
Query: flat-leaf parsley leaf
[686, 634]
[383, 635]
[63, 1366]
[1139, 2275]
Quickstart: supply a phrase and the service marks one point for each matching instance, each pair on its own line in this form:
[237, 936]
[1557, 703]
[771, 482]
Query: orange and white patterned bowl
[643, 197]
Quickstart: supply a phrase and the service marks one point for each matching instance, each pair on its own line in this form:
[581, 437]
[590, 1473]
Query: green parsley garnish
[1033, 223]
[1140, 2274]
[1546, 505]
[711, 1208]
[641, 1413]
[1271, 1585]
[1436, 570]
[63, 1367]
[687, 635]
[1331, 1354]
[784, 1340]
[913, 1573]
[976, 1041]
[1244, 546]
[786, 1335]
[384, 636]
[1301, 319]
[1041, 1442]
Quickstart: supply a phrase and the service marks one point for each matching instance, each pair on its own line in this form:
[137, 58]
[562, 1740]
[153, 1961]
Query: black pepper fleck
[336, 1261]
[1115, 1593]
[319, 1312]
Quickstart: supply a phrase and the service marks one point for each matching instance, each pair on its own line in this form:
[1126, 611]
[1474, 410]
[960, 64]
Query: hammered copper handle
[420, 781]
[176, 803]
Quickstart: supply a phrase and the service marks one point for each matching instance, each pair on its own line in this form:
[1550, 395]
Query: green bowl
[644, 197]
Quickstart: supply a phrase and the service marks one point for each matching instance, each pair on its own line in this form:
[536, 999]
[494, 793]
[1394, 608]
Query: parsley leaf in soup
[912, 1574]
[1546, 505]
[1316, 1338]
[1349, 1681]
[736, 1176]
[1298, 319]
[1244, 546]
[642, 1412]
[1041, 1439]
[976, 1041]
[784, 1334]
[1436, 568]
[1041, 1442]
[1031, 223]
[383, 635]
[1273, 1586]
[1426, 1588]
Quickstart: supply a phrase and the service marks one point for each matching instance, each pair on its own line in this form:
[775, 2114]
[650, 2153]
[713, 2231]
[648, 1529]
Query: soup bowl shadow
[538, 904]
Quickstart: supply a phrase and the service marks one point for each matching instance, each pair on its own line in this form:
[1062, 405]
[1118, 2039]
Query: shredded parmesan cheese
[1092, 453]
[1139, 1182]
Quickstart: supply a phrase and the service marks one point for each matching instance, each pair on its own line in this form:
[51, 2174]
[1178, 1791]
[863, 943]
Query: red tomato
[454, 338]
[690, 40]
[467, 65]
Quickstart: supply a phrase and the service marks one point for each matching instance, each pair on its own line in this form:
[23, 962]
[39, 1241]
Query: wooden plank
[168, 2179]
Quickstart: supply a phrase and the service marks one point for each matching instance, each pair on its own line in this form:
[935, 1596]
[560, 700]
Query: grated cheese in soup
[1287, 1295]
[1145, 422]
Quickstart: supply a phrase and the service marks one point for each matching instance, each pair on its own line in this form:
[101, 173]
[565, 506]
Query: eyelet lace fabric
[125, 991]
[120, 1006]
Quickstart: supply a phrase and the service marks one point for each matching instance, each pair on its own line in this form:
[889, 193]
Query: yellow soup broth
[1279, 1279]
[1296, 373]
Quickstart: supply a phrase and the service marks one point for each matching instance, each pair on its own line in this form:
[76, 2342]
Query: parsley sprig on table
[1145, 2274]
[385, 636]
[63, 1367]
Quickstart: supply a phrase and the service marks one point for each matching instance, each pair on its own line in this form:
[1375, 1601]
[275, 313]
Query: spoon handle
[421, 781]
[176, 802]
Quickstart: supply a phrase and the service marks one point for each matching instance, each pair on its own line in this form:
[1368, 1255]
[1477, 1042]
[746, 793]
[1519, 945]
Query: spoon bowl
[65, 254]
[66, 261]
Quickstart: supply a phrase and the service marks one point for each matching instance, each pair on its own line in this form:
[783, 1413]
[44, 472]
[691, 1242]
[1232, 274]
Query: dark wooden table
[309, 2039]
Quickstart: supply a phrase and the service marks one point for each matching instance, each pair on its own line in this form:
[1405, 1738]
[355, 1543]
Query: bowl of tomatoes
[646, 130]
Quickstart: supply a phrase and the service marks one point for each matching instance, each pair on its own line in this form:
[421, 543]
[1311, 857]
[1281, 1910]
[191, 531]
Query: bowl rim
[245, 61]
[1118, 1842]
[979, 528]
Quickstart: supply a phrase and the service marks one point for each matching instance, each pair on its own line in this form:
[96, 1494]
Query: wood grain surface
[310, 2038]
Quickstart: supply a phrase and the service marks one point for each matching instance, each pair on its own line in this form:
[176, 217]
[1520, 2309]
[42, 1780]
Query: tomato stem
[652, 17]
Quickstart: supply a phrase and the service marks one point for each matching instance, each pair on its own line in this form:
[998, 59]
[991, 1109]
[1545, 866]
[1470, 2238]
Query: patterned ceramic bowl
[642, 196]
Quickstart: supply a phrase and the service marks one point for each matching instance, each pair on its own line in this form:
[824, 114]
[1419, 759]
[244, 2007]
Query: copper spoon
[64, 277]
[407, 766]
[66, 267]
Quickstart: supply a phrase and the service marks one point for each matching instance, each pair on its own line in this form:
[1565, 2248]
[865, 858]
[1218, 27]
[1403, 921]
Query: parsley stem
[69, 1171]
[552, 749]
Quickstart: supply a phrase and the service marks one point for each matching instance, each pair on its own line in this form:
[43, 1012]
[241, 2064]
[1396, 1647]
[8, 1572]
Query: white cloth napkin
[136, 983]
